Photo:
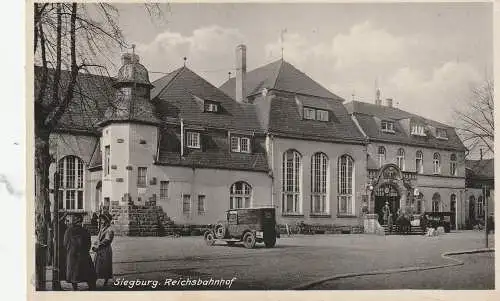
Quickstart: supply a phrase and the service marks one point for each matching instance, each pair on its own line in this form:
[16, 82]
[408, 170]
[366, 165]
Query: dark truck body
[247, 225]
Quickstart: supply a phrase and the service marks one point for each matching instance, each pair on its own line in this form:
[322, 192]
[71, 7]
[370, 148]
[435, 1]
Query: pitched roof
[92, 95]
[481, 169]
[215, 153]
[367, 114]
[279, 75]
[181, 95]
[178, 95]
[285, 118]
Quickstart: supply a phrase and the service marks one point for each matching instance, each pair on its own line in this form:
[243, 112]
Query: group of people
[75, 261]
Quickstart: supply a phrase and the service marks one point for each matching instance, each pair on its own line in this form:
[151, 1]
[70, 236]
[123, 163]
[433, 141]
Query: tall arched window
[291, 193]
[381, 156]
[437, 163]
[419, 162]
[400, 159]
[319, 172]
[346, 185]
[436, 202]
[453, 164]
[240, 195]
[70, 193]
[420, 203]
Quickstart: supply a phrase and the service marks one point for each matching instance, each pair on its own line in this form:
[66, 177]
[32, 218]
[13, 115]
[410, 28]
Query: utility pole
[485, 187]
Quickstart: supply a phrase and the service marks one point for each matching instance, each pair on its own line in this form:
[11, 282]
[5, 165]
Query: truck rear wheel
[249, 240]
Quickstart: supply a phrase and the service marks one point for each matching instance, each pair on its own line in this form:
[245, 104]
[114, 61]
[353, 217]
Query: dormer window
[193, 139]
[211, 107]
[315, 114]
[418, 129]
[441, 134]
[387, 126]
[240, 144]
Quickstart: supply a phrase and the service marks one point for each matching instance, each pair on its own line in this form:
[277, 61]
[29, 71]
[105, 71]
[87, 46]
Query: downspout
[182, 138]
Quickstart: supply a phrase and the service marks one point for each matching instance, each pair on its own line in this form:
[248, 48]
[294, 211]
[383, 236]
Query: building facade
[479, 191]
[415, 164]
[269, 137]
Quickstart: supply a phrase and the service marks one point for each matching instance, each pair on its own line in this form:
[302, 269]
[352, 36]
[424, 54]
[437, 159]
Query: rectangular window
[201, 204]
[211, 107]
[235, 144]
[106, 159]
[141, 176]
[418, 130]
[240, 144]
[322, 115]
[164, 190]
[193, 139]
[309, 113]
[186, 204]
[387, 126]
[441, 134]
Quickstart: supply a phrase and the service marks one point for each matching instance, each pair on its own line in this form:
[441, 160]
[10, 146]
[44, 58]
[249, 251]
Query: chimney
[378, 101]
[241, 72]
[388, 102]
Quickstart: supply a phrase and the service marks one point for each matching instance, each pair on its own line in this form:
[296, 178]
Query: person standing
[79, 267]
[386, 210]
[104, 253]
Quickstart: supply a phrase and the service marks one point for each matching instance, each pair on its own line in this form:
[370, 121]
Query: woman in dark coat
[104, 253]
[79, 266]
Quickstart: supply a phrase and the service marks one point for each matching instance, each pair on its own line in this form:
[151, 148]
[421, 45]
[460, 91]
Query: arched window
[70, 193]
[400, 159]
[420, 203]
[319, 172]
[480, 206]
[240, 195]
[291, 193]
[437, 163]
[346, 185]
[381, 156]
[453, 164]
[419, 162]
[436, 202]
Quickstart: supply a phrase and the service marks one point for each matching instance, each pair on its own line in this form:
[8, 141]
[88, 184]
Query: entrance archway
[386, 192]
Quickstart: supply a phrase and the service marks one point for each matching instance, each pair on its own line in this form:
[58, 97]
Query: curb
[445, 255]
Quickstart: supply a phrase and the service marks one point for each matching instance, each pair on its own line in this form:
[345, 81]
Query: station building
[182, 148]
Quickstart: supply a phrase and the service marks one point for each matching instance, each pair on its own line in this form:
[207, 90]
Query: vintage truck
[246, 225]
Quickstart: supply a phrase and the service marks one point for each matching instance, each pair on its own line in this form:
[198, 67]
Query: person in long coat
[386, 210]
[104, 252]
[79, 267]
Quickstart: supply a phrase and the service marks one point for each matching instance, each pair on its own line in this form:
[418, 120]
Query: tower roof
[132, 72]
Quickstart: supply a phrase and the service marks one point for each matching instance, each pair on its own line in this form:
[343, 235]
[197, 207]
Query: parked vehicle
[438, 219]
[246, 225]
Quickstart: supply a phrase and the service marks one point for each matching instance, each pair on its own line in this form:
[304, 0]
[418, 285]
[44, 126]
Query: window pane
[244, 145]
[186, 203]
[201, 203]
[141, 176]
[164, 189]
[80, 200]
[309, 113]
[235, 144]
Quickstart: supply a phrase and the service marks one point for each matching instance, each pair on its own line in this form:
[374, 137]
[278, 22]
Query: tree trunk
[42, 204]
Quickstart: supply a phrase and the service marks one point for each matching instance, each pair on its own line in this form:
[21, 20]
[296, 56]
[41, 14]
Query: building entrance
[386, 193]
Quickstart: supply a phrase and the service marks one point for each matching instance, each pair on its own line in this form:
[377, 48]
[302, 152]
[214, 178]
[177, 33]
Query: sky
[425, 56]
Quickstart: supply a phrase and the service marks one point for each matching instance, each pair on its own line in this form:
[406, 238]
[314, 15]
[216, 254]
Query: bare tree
[476, 125]
[69, 39]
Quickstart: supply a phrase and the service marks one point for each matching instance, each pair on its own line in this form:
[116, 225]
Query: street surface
[301, 259]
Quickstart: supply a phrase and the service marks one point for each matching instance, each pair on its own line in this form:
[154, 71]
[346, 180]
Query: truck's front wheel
[249, 240]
